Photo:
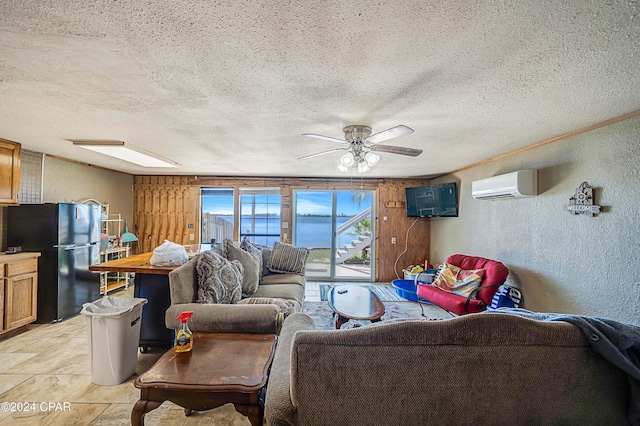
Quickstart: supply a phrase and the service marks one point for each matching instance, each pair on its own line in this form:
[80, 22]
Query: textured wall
[564, 263]
[67, 182]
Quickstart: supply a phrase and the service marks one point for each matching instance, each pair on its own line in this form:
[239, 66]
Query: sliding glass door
[337, 228]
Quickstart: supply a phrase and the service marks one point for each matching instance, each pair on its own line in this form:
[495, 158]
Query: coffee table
[354, 302]
[221, 369]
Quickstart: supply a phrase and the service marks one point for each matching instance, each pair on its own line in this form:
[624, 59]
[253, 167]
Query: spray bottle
[184, 337]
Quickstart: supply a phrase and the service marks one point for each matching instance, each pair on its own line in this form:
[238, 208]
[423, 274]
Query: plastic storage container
[113, 325]
[424, 276]
[406, 289]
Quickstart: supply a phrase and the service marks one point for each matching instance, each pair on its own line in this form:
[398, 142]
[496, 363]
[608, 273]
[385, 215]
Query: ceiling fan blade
[397, 150]
[394, 132]
[326, 138]
[321, 153]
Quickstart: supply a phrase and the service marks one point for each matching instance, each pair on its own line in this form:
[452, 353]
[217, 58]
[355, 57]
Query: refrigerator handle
[74, 246]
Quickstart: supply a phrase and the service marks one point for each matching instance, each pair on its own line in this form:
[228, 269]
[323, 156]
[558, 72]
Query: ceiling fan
[361, 145]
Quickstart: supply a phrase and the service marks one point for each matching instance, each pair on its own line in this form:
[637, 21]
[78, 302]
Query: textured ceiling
[228, 87]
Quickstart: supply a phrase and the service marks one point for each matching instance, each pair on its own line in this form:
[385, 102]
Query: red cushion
[449, 301]
[495, 273]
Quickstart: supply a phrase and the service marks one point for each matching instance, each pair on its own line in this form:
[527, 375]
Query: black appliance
[68, 238]
[438, 200]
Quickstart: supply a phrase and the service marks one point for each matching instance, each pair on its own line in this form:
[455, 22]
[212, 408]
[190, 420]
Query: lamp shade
[371, 158]
[363, 167]
[347, 160]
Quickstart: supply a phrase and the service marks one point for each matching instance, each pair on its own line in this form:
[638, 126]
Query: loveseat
[278, 294]
[482, 368]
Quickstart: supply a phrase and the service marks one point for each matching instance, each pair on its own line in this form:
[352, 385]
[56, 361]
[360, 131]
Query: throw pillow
[286, 306]
[219, 280]
[250, 263]
[459, 281]
[286, 258]
[266, 257]
[256, 249]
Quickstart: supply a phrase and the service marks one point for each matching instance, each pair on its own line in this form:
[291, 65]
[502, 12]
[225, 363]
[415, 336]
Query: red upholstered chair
[495, 275]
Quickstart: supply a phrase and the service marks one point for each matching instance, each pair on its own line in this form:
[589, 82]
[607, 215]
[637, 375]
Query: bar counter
[138, 263]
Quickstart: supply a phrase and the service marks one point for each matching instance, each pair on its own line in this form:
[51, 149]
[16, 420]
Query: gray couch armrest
[278, 408]
[223, 318]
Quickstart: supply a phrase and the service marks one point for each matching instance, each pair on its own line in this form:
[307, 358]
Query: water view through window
[336, 226]
[260, 215]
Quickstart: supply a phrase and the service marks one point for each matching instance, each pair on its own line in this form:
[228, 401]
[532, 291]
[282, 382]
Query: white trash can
[113, 325]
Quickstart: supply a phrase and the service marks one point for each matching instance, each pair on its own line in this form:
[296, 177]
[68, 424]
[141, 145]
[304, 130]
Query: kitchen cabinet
[9, 172]
[18, 292]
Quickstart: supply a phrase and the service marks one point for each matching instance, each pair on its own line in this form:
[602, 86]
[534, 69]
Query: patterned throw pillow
[219, 279]
[250, 264]
[459, 281]
[286, 258]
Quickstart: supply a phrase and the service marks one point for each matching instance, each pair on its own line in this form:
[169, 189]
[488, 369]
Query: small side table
[221, 369]
[354, 302]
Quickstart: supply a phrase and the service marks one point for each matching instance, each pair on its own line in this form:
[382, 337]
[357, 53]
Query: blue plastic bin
[406, 289]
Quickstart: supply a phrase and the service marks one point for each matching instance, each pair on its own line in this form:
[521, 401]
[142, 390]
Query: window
[217, 214]
[260, 215]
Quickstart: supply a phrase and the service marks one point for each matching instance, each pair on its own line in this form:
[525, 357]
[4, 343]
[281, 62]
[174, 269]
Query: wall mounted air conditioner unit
[523, 183]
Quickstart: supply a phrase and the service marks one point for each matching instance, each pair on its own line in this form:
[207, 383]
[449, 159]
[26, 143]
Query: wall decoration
[582, 201]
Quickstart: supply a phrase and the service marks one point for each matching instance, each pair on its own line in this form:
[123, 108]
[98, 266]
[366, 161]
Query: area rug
[386, 293]
[323, 315]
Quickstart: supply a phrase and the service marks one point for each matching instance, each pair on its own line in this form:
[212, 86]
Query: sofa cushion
[286, 306]
[459, 281]
[287, 258]
[282, 279]
[282, 291]
[219, 279]
[250, 263]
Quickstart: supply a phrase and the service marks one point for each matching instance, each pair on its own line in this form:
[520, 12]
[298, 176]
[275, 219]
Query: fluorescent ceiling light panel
[127, 152]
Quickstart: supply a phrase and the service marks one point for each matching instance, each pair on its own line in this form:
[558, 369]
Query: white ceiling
[228, 87]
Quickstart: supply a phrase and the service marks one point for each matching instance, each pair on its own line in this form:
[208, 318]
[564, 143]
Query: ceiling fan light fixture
[343, 168]
[371, 158]
[363, 167]
[348, 160]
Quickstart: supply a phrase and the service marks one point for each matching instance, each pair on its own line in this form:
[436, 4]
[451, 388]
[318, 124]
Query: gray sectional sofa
[485, 368]
[277, 295]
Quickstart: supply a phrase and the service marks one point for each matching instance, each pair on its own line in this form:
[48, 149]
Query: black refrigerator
[68, 236]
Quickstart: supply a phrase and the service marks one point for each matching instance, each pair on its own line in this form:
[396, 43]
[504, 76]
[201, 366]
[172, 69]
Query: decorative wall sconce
[582, 201]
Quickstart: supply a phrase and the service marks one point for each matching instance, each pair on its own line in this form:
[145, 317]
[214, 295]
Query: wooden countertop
[8, 258]
[138, 263]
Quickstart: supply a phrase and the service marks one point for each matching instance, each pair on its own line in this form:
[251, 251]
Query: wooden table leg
[340, 320]
[255, 413]
[141, 408]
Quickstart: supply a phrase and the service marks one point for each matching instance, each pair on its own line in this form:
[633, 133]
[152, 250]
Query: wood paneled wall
[168, 207]
[165, 208]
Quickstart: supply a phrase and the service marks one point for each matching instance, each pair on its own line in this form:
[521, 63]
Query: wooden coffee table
[221, 369]
[354, 302]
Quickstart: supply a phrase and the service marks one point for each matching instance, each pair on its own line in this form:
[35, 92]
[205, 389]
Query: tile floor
[48, 367]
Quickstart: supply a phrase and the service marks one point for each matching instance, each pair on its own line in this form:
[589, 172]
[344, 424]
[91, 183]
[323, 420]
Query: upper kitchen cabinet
[9, 172]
